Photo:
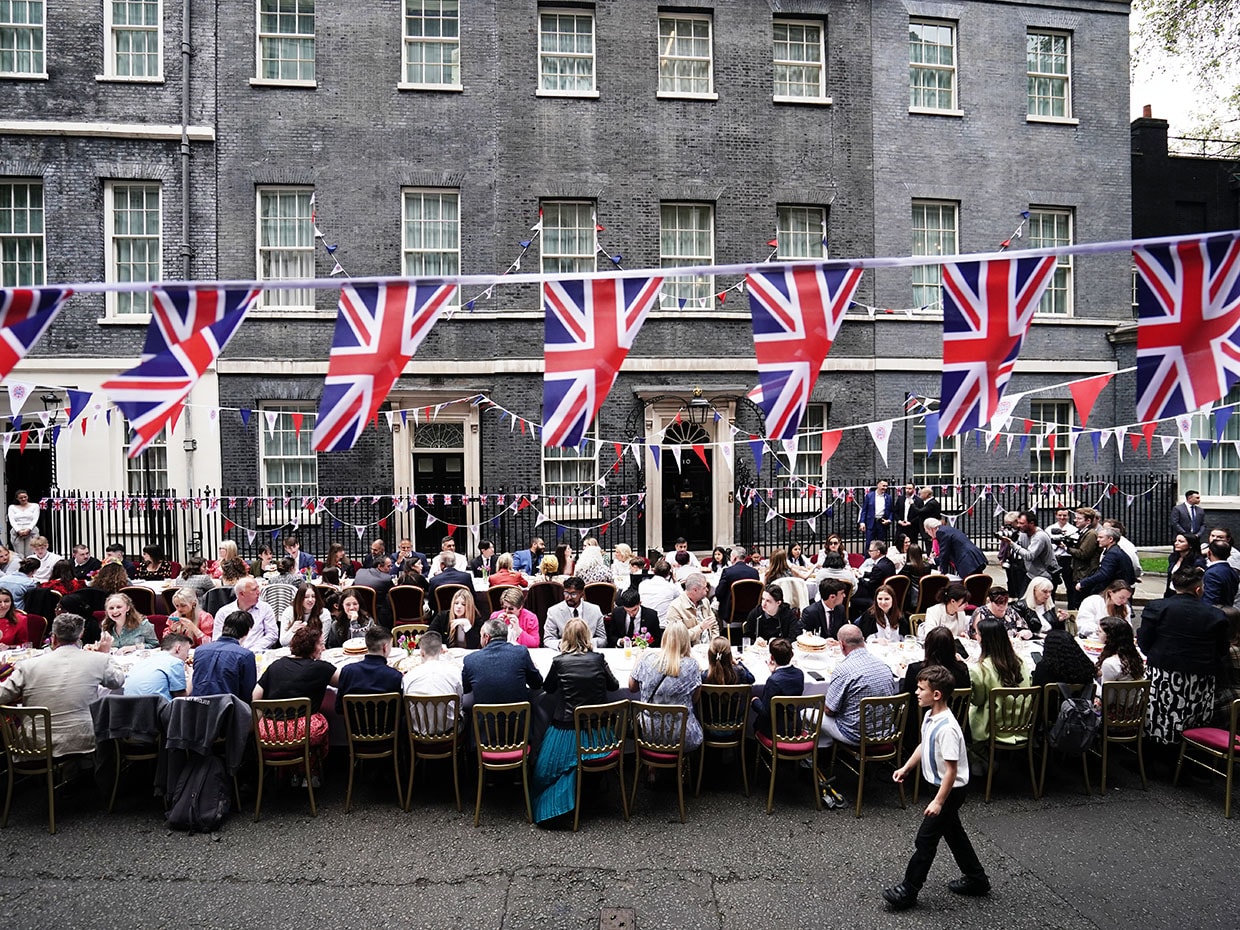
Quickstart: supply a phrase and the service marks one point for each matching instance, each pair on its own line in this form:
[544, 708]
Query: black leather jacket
[581, 678]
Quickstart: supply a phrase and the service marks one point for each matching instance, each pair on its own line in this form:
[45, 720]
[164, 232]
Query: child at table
[944, 763]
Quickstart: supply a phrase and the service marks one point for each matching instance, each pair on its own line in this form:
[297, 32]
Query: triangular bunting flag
[881, 434]
[830, 442]
[1085, 393]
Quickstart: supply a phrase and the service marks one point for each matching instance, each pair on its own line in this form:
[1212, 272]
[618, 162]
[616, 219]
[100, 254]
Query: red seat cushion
[882, 749]
[1214, 737]
[499, 758]
[654, 756]
[804, 746]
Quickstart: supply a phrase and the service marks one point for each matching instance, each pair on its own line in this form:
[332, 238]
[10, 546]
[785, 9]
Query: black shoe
[971, 887]
[900, 898]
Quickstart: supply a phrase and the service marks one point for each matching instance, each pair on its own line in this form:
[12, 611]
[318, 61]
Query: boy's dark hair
[829, 587]
[376, 636]
[237, 624]
[682, 557]
[781, 651]
[629, 597]
[939, 678]
[172, 640]
[776, 593]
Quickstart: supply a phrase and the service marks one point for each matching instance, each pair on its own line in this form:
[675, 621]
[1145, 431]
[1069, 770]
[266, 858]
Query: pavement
[1162, 858]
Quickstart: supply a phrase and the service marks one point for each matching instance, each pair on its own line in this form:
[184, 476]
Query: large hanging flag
[25, 315]
[796, 314]
[1188, 337]
[590, 327]
[378, 329]
[987, 308]
[189, 328]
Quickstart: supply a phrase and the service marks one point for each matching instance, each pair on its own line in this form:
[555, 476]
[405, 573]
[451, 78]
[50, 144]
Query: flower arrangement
[407, 642]
[642, 639]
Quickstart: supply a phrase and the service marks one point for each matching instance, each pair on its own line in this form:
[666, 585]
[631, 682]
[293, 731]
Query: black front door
[686, 489]
[440, 473]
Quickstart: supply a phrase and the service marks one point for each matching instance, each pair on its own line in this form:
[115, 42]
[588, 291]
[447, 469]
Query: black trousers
[947, 826]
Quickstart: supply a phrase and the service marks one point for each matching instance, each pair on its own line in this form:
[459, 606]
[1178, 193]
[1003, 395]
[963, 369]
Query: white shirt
[1090, 614]
[437, 676]
[942, 741]
[265, 632]
[23, 517]
[460, 563]
[1131, 551]
[46, 564]
[657, 594]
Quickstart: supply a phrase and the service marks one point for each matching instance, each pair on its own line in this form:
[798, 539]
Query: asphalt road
[1153, 859]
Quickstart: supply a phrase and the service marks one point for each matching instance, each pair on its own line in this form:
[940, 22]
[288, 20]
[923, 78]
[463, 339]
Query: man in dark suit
[372, 675]
[629, 617]
[908, 506]
[877, 511]
[869, 583]
[957, 553]
[1220, 584]
[826, 615]
[1115, 564]
[500, 672]
[484, 561]
[380, 578]
[446, 575]
[737, 569]
[930, 509]
[378, 549]
[1188, 517]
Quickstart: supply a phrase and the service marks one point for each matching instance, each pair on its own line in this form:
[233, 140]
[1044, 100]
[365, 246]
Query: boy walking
[944, 763]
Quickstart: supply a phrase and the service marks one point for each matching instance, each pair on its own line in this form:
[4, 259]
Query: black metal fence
[195, 523]
[776, 518]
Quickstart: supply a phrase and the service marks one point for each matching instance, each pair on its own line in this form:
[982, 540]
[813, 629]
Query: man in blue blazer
[1219, 584]
[737, 570]
[957, 553]
[500, 672]
[1115, 564]
[877, 512]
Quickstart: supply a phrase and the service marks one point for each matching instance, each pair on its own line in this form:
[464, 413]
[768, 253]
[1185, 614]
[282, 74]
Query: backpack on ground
[1076, 727]
[200, 801]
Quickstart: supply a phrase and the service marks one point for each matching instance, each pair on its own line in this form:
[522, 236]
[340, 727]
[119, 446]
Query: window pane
[566, 52]
[135, 31]
[432, 42]
[686, 238]
[798, 60]
[684, 55]
[801, 232]
[1049, 228]
[136, 243]
[285, 244]
[571, 472]
[1046, 466]
[21, 233]
[934, 233]
[289, 464]
[568, 240]
[932, 65]
[1049, 68]
[21, 37]
[286, 40]
[432, 233]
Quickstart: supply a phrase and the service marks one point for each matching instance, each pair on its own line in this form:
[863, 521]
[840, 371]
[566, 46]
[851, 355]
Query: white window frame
[671, 59]
[555, 456]
[35, 48]
[935, 67]
[304, 454]
[1034, 75]
[1058, 297]
[1039, 451]
[131, 305]
[809, 468]
[554, 14]
[928, 279]
[1217, 476]
[430, 12]
[790, 64]
[572, 248]
[22, 225]
[698, 292]
[304, 252]
[113, 33]
[418, 259]
[940, 468]
[800, 232]
[262, 38]
[155, 455]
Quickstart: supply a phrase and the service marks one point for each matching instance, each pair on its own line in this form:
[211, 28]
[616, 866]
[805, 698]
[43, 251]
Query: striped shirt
[942, 741]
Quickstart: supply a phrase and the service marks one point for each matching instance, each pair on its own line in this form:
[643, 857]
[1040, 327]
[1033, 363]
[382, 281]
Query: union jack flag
[796, 314]
[378, 329]
[987, 308]
[590, 327]
[25, 315]
[193, 325]
[1188, 337]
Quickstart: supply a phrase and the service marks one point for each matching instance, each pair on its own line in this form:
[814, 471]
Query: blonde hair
[675, 648]
[549, 565]
[513, 597]
[185, 596]
[576, 637]
[471, 606]
[504, 562]
[229, 548]
[623, 552]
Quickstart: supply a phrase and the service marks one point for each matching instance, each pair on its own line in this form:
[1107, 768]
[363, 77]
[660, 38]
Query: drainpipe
[187, 251]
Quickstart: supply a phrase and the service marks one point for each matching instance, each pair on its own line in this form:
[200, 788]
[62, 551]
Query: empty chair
[166, 597]
[143, 599]
[372, 724]
[434, 731]
[27, 734]
[744, 595]
[978, 587]
[282, 737]
[883, 720]
[540, 597]
[600, 730]
[795, 722]
[900, 584]
[1218, 747]
[659, 734]
[1013, 714]
[406, 602]
[602, 594]
[36, 629]
[502, 736]
[928, 591]
[279, 596]
[1124, 704]
[128, 726]
[724, 713]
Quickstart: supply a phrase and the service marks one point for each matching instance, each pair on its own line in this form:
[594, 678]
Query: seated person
[188, 619]
[164, 672]
[630, 617]
[372, 675]
[126, 626]
[504, 573]
[460, 625]
[884, 621]
[224, 666]
[869, 583]
[437, 674]
[522, 623]
[772, 618]
[785, 680]
[825, 616]
[859, 675]
[1063, 661]
[300, 675]
[155, 565]
[671, 675]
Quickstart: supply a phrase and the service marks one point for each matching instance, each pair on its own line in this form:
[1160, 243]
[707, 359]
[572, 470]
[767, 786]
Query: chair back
[502, 734]
[1052, 697]
[960, 703]
[1069, 623]
[1123, 708]
[496, 593]
[796, 595]
[434, 718]
[281, 726]
[143, 598]
[166, 597]
[795, 722]
[372, 718]
[915, 621]
[27, 733]
[883, 720]
[978, 586]
[900, 585]
[41, 601]
[745, 595]
[279, 596]
[601, 730]
[855, 559]
[216, 598]
[36, 629]
[366, 597]
[445, 593]
[540, 597]
[724, 713]
[407, 603]
[1013, 713]
[660, 729]
[160, 623]
[928, 591]
[408, 629]
[602, 594]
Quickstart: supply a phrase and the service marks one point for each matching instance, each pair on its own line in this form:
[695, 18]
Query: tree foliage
[1203, 36]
